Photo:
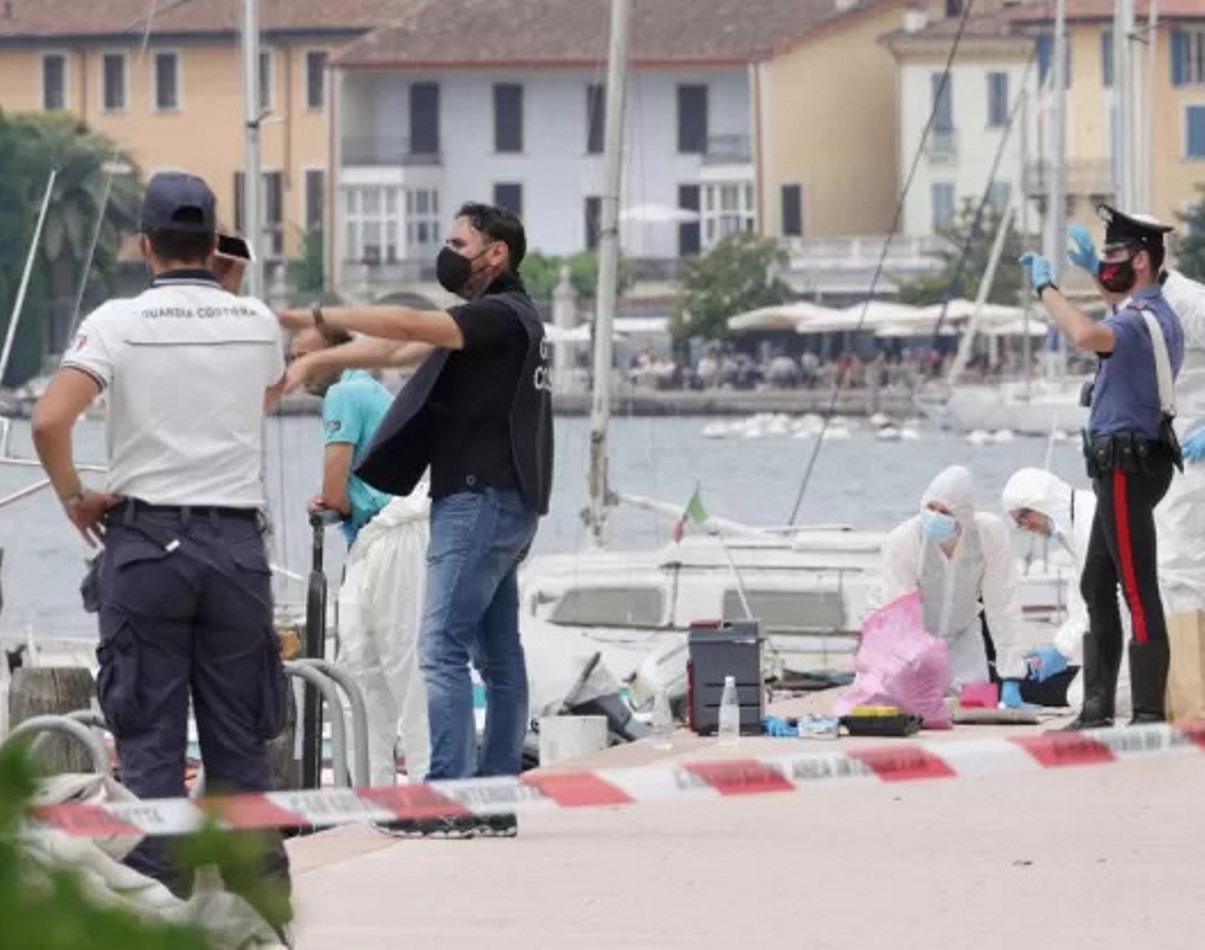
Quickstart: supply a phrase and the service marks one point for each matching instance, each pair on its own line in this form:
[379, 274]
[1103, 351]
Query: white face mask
[937, 526]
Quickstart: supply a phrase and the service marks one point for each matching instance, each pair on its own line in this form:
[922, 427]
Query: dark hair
[1156, 254]
[499, 225]
[335, 336]
[181, 247]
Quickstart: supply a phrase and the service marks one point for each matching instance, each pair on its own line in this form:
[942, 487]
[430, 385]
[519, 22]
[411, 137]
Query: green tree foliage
[542, 272]
[963, 281]
[736, 275]
[307, 274]
[48, 909]
[1190, 260]
[30, 145]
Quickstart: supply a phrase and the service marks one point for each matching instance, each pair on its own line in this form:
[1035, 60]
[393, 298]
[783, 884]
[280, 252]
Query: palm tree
[86, 190]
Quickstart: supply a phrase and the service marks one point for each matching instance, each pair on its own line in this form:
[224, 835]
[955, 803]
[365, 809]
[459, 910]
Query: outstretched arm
[435, 327]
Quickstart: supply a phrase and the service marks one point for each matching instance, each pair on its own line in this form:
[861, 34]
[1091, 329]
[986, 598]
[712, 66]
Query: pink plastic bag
[899, 664]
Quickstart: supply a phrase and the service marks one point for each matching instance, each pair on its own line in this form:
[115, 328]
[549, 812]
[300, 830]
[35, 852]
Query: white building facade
[411, 147]
[974, 146]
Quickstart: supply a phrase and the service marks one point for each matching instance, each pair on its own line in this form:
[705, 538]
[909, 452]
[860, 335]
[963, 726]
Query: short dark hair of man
[499, 225]
[181, 247]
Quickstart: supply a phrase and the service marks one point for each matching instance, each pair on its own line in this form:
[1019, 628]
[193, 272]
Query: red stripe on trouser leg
[1125, 553]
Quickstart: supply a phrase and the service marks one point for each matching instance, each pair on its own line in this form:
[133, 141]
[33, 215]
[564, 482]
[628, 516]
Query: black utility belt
[1126, 452]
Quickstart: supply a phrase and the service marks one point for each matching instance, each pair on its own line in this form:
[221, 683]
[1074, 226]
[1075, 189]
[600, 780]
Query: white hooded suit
[380, 614]
[1071, 511]
[981, 569]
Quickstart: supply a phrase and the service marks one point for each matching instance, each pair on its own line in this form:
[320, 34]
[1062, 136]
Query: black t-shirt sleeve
[487, 323]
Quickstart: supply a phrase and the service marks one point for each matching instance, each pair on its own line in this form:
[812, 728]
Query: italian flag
[694, 511]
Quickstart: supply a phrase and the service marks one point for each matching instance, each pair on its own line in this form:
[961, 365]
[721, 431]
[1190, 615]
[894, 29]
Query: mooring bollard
[52, 691]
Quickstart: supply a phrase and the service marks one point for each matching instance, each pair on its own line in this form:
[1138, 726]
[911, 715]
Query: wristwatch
[319, 319]
[1048, 285]
[77, 495]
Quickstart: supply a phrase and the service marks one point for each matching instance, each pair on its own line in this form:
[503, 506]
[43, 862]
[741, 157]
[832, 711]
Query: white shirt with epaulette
[185, 365]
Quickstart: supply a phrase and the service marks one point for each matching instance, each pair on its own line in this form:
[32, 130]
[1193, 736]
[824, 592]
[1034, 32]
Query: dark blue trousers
[189, 620]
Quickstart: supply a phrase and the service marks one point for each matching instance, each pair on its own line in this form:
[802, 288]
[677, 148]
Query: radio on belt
[718, 649]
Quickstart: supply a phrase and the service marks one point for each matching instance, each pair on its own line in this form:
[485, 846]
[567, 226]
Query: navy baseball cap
[176, 201]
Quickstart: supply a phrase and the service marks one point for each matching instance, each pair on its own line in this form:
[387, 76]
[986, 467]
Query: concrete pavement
[1102, 857]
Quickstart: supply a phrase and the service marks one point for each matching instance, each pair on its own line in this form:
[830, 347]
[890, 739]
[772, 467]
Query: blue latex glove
[1193, 446]
[1083, 255]
[1040, 271]
[1010, 695]
[778, 727]
[1045, 661]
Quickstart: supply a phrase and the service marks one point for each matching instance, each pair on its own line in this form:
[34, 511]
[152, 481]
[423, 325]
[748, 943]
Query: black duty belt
[1128, 452]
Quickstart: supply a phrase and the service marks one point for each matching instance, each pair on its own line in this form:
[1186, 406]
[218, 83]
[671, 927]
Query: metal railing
[70, 725]
[728, 150]
[942, 145]
[1084, 177]
[386, 150]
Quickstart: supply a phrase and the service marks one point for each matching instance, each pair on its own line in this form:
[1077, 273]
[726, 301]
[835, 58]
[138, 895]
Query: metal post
[1026, 298]
[315, 648]
[608, 267]
[1056, 205]
[1123, 92]
[252, 184]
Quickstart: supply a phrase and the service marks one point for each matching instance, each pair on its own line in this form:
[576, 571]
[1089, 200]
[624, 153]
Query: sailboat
[808, 586]
[1038, 407]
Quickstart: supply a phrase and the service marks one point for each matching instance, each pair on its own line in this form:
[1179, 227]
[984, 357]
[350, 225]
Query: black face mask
[1118, 277]
[452, 270]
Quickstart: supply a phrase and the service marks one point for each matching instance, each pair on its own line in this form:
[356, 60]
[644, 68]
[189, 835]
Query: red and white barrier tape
[629, 786]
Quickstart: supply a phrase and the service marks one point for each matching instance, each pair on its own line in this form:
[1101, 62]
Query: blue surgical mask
[937, 525]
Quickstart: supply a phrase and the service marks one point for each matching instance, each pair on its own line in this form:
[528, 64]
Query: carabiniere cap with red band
[1127, 230]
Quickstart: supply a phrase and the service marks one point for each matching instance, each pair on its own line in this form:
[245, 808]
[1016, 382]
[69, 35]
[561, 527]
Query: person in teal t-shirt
[353, 405]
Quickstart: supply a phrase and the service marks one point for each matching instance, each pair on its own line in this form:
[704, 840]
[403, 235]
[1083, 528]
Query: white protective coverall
[1180, 516]
[980, 568]
[380, 615]
[1071, 511]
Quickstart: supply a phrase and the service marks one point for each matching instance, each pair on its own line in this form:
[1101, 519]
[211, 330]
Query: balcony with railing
[942, 146]
[388, 150]
[1092, 177]
[728, 150]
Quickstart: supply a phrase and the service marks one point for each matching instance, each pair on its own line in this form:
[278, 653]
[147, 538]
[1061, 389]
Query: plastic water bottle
[663, 721]
[730, 713]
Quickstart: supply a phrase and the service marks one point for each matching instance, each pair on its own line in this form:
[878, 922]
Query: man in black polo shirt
[478, 413]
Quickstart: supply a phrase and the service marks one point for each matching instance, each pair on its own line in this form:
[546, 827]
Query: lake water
[860, 481]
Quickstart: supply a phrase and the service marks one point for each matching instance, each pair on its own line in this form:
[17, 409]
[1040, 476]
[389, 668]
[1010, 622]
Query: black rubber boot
[1148, 681]
[1100, 688]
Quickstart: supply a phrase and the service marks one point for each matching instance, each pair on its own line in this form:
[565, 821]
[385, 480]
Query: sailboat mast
[252, 179]
[1123, 90]
[1056, 201]
[19, 304]
[1026, 299]
[607, 294]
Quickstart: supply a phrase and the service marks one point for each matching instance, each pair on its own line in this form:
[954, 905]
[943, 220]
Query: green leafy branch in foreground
[50, 909]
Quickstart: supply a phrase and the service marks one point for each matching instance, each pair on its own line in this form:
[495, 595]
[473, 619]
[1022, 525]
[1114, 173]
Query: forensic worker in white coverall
[381, 598]
[1042, 503]
[1180, 518]
[961, 561]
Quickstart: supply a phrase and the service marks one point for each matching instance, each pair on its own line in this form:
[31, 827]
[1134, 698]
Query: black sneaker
[458, 826]
[498, 826]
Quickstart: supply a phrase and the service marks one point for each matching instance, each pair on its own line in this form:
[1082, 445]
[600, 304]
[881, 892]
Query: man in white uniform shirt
[183, 587]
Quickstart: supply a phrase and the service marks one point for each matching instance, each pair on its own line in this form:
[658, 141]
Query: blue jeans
[478, 540]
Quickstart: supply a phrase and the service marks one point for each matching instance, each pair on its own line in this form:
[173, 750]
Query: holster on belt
[1126, 452]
